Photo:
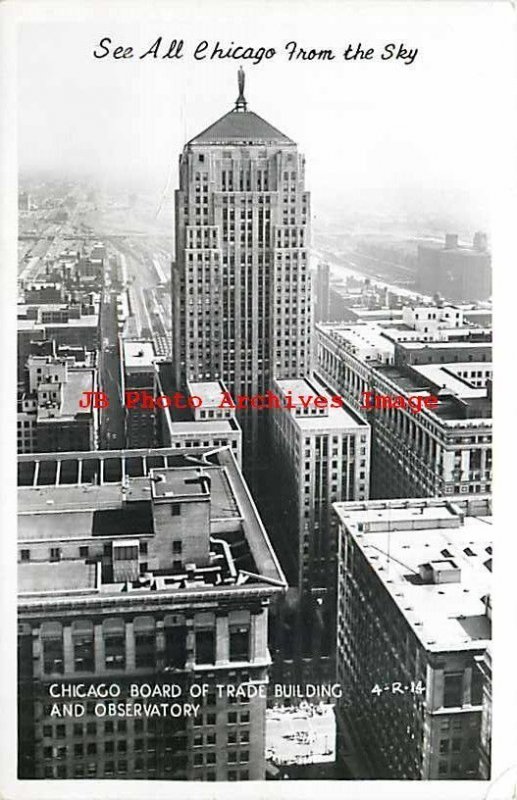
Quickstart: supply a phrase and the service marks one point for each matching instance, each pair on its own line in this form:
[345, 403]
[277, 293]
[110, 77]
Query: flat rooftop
[467, 346]
[86, 321]
[204, 427]
[56, 577]
[444, 616]
[78, 381]
[109, 495]
[339, 419]
[449, 409]
[211, 392]
[444, 376]
[360, 335]
[138, 354]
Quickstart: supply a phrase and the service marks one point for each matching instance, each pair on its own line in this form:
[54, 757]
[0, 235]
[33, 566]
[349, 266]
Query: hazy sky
[377, 135]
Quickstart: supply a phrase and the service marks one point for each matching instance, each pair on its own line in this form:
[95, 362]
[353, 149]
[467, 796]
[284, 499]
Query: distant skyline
[379, 137]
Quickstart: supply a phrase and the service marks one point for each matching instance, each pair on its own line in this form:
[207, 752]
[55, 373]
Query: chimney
[480, 242]
[451, 240]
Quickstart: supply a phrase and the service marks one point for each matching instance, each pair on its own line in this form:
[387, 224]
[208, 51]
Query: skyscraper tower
[240, 281]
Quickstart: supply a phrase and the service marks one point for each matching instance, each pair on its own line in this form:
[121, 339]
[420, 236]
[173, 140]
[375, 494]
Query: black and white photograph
[256, 245]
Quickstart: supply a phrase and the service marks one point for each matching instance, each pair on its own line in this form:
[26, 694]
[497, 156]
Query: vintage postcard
[250, 267]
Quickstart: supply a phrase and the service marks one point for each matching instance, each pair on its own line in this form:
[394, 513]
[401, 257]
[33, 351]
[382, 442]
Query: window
[55, 554]
[145, 642]
[177, 547]
[239, 643]
[205, 647]
[143, 548]
[175, 509]
[52, 643]
[114, 636]
[25, 555]
[444, 746]
[452, 689]
[83, 552]
[83, 644]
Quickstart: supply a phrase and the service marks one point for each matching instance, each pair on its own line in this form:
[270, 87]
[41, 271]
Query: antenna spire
[241, 104]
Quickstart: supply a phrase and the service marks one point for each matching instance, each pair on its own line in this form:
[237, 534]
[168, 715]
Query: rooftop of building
[240, 127]
[137, 354]
[458, 247]
[447, 345]
[84, 321]
[358, 336]
[78, 381]
[405, 542]
[409, 381]
[110, 495]
[340, 419]
[210, 392]
[445, 376]
[56, 577]
[204, 427]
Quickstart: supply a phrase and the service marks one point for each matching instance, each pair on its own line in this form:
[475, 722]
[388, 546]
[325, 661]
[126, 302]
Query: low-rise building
[50, 418]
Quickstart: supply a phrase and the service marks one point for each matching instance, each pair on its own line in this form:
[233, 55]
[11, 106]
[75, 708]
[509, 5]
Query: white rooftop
[444, 616]
[138, 354]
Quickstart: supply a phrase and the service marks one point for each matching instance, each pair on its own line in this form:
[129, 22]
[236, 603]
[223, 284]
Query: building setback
[142, 567]
[414, 618]
[241, 304]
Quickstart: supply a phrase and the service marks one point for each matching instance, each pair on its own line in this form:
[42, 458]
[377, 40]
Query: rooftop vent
[440, 571]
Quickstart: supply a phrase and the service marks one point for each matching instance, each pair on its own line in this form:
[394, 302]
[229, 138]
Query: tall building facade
[240, 283]
[322, 456]
[322, 293]
[138, 570]
[414, 619]
[139, 375]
